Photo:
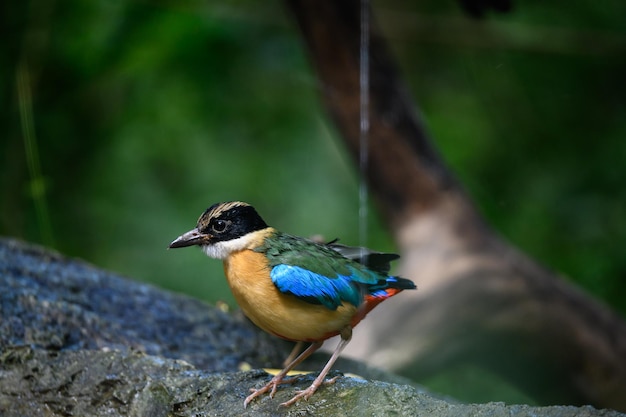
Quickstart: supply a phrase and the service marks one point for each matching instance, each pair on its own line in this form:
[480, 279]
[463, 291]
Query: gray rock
[78, 341]
[51, 302]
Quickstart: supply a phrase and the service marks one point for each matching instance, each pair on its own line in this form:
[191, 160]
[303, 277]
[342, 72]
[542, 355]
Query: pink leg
[297, 348]
[307, 393]
[278, 378]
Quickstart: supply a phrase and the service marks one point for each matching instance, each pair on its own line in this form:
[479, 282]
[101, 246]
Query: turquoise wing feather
[316, 273]
[316, 288]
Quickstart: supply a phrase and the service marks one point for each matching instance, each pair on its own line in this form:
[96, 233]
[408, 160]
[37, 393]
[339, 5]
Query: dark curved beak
[192, 237]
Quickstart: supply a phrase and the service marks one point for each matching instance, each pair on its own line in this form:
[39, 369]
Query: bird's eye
[219, 226]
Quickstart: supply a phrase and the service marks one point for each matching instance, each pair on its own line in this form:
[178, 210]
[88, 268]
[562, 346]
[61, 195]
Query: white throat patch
[221, 250]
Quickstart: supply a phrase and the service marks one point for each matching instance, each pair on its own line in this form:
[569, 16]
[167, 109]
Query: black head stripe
[240, 218]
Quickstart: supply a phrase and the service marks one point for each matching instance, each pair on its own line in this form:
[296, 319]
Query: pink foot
[270, 386]
[308, 393]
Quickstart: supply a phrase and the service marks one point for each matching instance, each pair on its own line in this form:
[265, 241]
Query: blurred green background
[122, 121]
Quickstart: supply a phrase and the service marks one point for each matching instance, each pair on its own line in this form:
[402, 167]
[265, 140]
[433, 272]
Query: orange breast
[283, 315]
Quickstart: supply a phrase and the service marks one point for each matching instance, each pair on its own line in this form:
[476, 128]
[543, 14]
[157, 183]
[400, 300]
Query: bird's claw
[308, 393]
[271, 386]
[331, 380]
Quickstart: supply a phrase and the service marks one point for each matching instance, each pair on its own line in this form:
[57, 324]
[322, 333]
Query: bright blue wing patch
[316, 288]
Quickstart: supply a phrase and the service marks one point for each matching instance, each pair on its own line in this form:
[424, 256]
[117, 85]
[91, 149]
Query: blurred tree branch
[479, 299]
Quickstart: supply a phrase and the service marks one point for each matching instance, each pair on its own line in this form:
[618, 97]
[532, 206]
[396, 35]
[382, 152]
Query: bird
[292, 287]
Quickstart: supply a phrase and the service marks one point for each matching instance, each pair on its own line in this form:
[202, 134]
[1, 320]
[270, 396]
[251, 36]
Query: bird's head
[223, 229]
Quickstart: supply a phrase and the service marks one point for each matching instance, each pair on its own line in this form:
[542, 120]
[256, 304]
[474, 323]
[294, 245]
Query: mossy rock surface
[79, 341]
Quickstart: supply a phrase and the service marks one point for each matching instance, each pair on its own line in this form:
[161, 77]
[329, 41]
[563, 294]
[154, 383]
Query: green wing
[285, 249]
[316, 273]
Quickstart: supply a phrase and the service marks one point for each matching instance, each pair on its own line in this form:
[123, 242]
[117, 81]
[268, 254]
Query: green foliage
[528, 109]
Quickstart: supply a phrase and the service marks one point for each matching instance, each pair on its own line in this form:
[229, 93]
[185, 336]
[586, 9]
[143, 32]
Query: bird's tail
[389, 287]
[378, 293]
[400, 283]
